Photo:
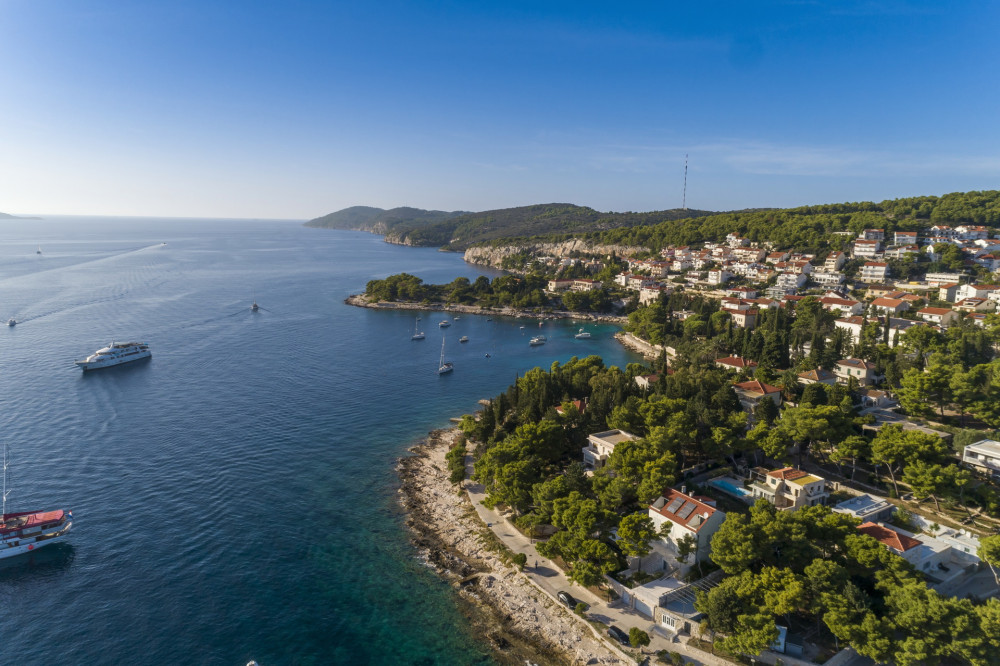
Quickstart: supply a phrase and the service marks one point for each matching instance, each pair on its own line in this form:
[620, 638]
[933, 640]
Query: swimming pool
[729, 486]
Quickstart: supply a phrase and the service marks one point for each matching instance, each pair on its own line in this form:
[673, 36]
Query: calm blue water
[234, 496]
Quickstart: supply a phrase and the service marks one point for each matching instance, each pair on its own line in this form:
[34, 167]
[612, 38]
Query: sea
[235, 496]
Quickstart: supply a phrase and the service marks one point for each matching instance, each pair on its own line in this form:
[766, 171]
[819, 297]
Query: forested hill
[460, 232]
[812, 227]
[379, 220]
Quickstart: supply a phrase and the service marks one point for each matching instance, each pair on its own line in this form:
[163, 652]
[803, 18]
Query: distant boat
[487, 355]
[444, 367]
[537, 340]
[11, 322]
[456, 318]
[417, 333]
[540, 324]
[444, 324]
[253, 306]
[582, 335]
[39, 250]
[522, 328]
[464, 338]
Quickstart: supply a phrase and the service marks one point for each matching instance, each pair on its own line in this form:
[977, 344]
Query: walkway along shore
[360, 300]
[450, 529]
[516, 617]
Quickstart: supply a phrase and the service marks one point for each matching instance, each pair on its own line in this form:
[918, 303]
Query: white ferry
[115, 354]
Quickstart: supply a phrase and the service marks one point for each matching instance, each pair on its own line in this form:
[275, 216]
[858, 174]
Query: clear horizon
[224, 109]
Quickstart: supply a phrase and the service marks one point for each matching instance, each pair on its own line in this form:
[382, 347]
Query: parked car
[618, 635]
[567, 599]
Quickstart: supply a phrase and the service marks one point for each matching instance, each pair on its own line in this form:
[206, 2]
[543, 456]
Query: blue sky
[294, 109]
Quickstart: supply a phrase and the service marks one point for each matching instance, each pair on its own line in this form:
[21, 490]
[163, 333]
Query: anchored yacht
[115, 354]
[26, 531]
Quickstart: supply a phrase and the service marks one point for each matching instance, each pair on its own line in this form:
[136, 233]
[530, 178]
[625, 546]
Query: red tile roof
[701, 510]
[736, 362]
[756, 386]
[787, 473]
[887, 537]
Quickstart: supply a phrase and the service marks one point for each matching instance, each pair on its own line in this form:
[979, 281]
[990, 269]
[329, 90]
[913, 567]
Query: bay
[235, 496]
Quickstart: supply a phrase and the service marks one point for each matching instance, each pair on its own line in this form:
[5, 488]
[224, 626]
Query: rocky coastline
[518, 620]
[360, 300]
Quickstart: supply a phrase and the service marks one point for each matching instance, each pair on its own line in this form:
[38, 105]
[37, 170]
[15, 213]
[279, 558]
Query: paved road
[547, 576]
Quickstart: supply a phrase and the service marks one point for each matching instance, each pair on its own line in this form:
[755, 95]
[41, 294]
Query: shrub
[519, 560]
[637, 637]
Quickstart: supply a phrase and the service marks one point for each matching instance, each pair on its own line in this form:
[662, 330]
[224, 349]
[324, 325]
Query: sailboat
[39, 250]
[417, 333]
[27, 531]
[444, 366]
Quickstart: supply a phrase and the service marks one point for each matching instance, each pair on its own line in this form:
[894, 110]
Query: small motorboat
[487, 355]
[464, 338]
[11, 322]
[444, 324]
[537, 340]
[582, 335]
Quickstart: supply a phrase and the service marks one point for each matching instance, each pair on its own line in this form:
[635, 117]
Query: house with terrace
[601, 445]
[679, 516]
[751, 393]
[789, 489]
[941, 562]
[983, 456]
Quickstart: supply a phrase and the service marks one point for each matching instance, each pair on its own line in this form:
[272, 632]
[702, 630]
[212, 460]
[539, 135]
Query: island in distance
[7, 216]
[458, 230]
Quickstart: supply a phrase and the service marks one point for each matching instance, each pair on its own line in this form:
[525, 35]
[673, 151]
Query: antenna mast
[685, 196]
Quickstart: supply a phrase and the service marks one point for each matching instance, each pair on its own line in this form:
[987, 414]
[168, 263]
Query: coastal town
[805, 471]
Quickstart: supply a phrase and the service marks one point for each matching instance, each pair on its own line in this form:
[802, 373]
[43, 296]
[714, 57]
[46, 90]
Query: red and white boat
[28, 531]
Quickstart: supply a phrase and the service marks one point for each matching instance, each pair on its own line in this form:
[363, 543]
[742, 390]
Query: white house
[939, 316]
[789, 488]
[984, 455]
[867, 508]
[827, 279]
[852, 325]
[862, 371]
[834, 262]
[600, 446]
[687, 516]
[866, 249]
[874, 271]
[940, 562]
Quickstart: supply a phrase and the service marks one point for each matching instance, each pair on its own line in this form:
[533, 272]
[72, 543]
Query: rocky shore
[521, 622]
[360, 300]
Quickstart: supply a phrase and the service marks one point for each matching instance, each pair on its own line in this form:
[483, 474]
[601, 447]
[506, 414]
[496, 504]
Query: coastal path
[548, 577]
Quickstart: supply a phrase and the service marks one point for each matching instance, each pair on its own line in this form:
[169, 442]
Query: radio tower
[685, 196]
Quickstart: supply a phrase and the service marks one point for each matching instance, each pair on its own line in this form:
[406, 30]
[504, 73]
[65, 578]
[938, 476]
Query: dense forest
[811, 564]
[380, 221]
[812, 228]
[505, 291]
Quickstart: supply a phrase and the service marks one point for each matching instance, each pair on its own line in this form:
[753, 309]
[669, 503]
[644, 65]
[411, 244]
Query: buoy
[31, 546]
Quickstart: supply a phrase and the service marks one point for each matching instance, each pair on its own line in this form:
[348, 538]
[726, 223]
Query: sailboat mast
[4, 512]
